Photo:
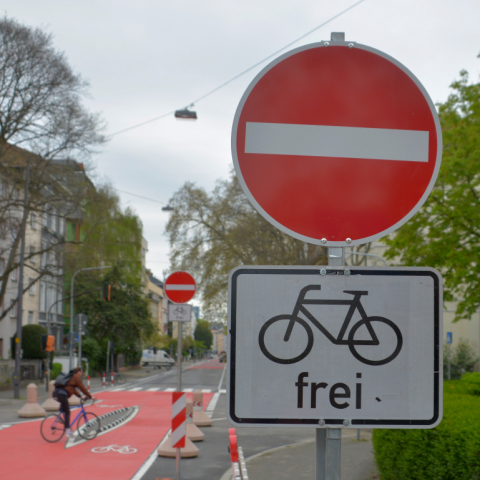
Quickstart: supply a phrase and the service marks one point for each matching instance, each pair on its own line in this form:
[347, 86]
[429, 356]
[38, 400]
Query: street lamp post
[72, 289]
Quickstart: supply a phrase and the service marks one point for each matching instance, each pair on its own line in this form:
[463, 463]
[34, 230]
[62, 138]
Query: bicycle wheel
[52, 428]
[119, 379]
[280, 336]
[88, 425]
[354, 344]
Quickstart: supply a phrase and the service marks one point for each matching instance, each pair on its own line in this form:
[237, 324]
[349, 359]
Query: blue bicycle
[53, 426]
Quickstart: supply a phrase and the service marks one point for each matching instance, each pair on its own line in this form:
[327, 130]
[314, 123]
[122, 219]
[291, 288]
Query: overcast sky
[149, 57]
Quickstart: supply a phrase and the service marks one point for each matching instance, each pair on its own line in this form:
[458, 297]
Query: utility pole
[18, 340]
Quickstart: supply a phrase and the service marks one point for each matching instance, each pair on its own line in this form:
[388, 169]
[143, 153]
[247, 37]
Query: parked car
[223, 357]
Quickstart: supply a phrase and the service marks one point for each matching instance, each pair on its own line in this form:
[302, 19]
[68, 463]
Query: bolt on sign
[352, 346]
[336, 143]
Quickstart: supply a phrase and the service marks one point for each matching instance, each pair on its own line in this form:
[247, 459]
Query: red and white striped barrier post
[104, 380]
[88, 383]
[111, 379]
[179, 424]
[236, 474]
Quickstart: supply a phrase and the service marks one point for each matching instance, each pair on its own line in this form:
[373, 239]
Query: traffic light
[107, 289]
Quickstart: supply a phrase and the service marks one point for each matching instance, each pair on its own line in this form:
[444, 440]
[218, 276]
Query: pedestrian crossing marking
[152, 389]
[136, 389]
[170, 389]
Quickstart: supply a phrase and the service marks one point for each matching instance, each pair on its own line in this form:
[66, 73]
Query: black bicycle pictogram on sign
[179, 311]
[351, 341]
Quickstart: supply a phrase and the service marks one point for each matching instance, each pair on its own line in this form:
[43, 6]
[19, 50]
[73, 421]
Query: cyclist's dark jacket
[72, 386]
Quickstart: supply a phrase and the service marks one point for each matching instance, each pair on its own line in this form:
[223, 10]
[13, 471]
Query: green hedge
[451, 451]
[56, 370]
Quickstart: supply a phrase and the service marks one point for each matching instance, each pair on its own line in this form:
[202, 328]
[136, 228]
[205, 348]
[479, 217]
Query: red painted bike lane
[26, 455]
[209, 365]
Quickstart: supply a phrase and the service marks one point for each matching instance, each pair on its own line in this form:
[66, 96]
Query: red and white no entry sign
[180, 287]
[336, 143]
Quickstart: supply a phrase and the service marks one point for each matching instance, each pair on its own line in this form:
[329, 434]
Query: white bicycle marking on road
[127, 449]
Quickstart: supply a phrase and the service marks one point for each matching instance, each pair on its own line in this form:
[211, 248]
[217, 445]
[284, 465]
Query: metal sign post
[328, 442]
[179, 358]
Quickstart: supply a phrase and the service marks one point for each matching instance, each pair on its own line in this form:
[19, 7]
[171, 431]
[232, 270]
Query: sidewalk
[297, 461]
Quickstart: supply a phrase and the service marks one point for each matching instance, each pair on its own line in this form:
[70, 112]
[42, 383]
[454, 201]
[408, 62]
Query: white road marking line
[120, 389]
[187, 390]
[170, 389]
[149, 462]
[221, 379]
[206, 390]
[136, 389]
[222, 391]
[153, 389]
[332, 141]
[212, 404]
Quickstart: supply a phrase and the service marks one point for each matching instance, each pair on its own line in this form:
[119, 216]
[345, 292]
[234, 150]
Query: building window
[31, 289]
[31, 254]
[43, 256]
[59, 304]
[14, 274]
[42, 297]
[33, 221]
[13, 311]
[30, 318]
[2, 266]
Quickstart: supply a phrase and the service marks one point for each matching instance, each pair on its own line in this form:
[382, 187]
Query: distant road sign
[180, 287]
[179, 313]
[335, 141]
[358, 347]
[449, 337]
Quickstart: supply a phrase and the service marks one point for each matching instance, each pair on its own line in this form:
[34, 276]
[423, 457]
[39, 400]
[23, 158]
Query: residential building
[155, 295]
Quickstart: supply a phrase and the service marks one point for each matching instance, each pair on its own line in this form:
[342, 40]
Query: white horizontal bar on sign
[171, 286]
[344, 142]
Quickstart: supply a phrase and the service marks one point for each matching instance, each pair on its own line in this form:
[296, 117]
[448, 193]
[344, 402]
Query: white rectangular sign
[179, 312]
[356, 347]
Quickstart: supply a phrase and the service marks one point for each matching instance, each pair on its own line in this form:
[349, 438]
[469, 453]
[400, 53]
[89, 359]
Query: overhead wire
[140, 196]
[244, 72]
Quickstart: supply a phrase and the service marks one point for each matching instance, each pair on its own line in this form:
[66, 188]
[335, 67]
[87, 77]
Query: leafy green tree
[109, 235]
[220, 231]
[203, 334]
[125, 319]
[92, 350]
[31, 342]
[445, 233]
[462, 359]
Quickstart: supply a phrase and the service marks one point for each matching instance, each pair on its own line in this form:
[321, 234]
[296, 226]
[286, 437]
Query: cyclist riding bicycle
[63, 393]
